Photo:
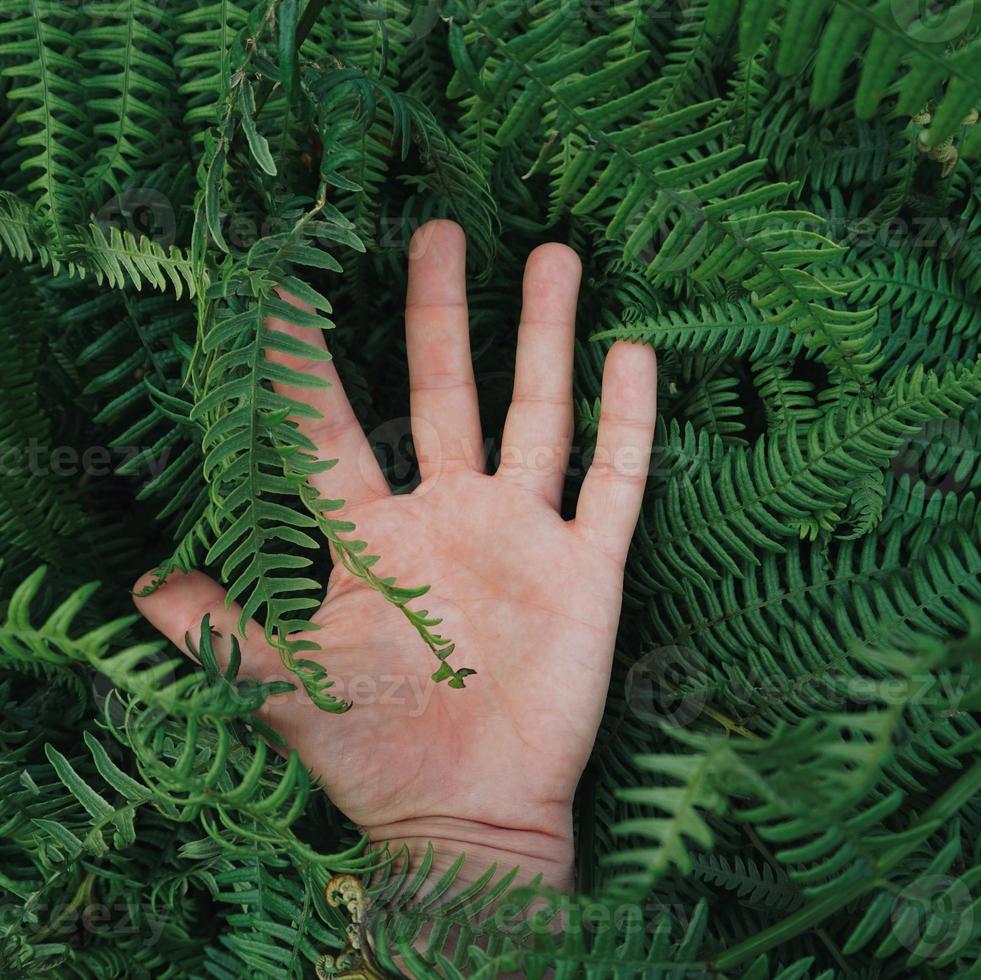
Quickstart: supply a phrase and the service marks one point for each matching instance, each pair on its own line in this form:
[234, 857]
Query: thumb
[177, 608]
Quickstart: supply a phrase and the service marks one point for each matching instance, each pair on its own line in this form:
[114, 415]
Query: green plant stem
[811, 915]
[310, 14]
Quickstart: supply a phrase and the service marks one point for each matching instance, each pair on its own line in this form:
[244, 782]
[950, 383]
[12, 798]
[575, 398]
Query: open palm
[532, 601]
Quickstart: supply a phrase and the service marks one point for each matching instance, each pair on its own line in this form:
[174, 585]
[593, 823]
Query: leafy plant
[779, 195]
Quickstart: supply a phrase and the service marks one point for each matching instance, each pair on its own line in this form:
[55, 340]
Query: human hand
[531, 600]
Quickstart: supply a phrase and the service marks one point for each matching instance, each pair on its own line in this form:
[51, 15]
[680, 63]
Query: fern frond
[109, 254]
[754, 884]
[748, 626]
[49, 650]
[886, 38]
[702, 527]
[40, 510]
[687, 791]
[732, 329]
[49, 105]
[858, 153]
[130, 51]
[118, 257]
[246, 434]
[922, 291]
[459, 186]
[203, 58]
[784, 397]
[689, 59]
[679, 203]
[21, 233]
[712, 400]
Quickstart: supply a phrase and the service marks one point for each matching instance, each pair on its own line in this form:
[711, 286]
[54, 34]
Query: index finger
[336, 432]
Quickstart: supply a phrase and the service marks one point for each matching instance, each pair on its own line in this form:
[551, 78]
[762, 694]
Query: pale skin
[531, 600]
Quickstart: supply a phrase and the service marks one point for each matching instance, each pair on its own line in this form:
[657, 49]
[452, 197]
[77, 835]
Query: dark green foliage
[778, 194]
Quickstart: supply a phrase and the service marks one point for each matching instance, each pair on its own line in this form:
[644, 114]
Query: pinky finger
[612, 493]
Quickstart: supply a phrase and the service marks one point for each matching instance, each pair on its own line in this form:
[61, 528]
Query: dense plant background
[778, 194]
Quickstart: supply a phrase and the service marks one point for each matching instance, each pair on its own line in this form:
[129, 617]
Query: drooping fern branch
[256, 460]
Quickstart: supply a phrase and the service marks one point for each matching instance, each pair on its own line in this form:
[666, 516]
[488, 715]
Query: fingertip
[438, 267]
[636, 350]
[440, 236]
[148, 590]
[632, 363]
[550, 291]
[555, 255]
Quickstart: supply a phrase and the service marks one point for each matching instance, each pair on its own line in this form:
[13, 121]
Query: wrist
[545, 851]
